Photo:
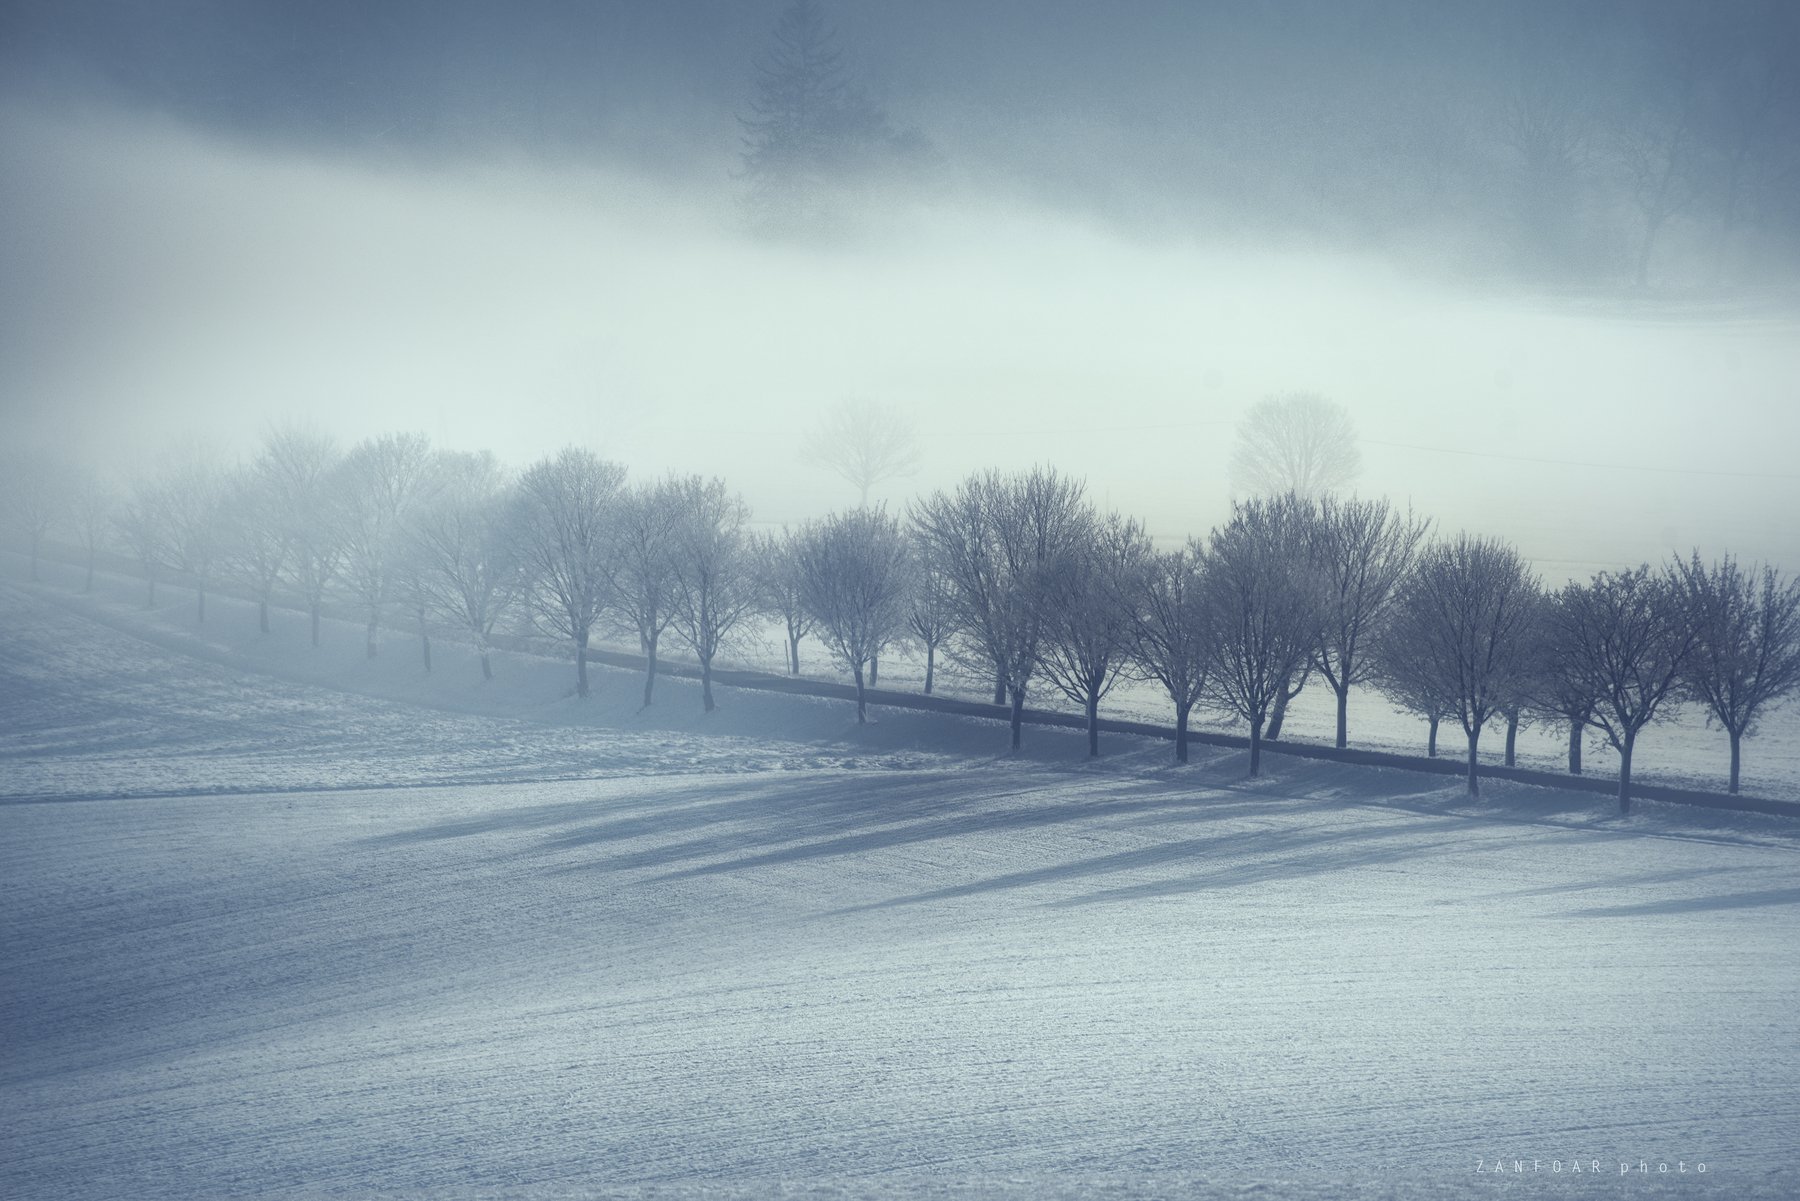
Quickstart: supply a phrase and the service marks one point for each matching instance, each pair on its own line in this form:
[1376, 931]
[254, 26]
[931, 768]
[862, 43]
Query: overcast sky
[516, 226]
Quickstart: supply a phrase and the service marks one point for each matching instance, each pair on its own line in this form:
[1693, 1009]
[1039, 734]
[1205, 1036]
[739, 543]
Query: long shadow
[1735, 900]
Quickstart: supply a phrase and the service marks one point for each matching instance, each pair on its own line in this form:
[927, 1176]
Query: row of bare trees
[1016, 578]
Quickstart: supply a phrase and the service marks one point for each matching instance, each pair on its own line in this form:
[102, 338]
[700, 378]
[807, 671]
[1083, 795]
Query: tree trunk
[874, 671]
[1000, 688]
[581, 680]
[706, 697]
[1256, 729]
[1625, 773]
[1093, 720]
[1512, 737]
[487, 669]
[1018, 717]
[793, 653]
[861, 704]
[1278, 715]
[1431, 739]
[314, 609]
[649, 668]
[262, 614]
[930, 663]
[1737, 738]
[1181, 737]
[1474, 762]
[1575, 728]
[1343, 729]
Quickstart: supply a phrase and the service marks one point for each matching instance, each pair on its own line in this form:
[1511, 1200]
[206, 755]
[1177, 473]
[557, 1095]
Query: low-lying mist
[166, 285]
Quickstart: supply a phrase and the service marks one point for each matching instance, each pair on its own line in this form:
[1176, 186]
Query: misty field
[768, 953]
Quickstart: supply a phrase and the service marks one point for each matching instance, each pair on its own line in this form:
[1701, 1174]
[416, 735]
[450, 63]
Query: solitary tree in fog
[644, 568]
[865, 443]
[715, 570]
[1460, 633]
[1300, 443]
[1263, 608]
[461, 547]
[778, 581]
[1746, 653]
[299, 467]
[1362, 550]
[1171, 635]
[998, 538]
[930, 609]
[564, 509]
[378, 481]
[1089, 600]
[1624, 638]
[856, 576]
[32, 499]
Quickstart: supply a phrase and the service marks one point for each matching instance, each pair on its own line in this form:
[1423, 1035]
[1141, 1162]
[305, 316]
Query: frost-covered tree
[715, 570]
[465, 563]
[300, 469]
[1263, 607]
[1552, 693]
[1300, 443]
[1088, 614]
[93, 505]
[1624, 638]
[1460, 634]
[191, 492]
[1746, 653]
[33, 499]
[1171, 636]
[856, 580]
[778, 580]
[865, 443]
[141, 522]
[644, 541]
[998, 538]
[563, 514]
[1362, 549]
[253, 535]
[378, 482]
[931, 608]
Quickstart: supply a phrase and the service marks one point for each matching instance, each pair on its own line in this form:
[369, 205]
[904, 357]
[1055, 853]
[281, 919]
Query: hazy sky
[514, 227]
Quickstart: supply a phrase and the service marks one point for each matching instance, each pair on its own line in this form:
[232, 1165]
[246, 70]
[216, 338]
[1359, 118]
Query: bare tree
[856, 578]
[1088, 614]
[465, 562]
[644, 568]
[1171, 637]
[1263, 609]
[1746, 653]
[715, 570]
[562, 518]
[93, 506]
[1363, 549]
[931, 610]
[1300, 443]
[865, 443]
[378, 482]
[142, 525]
[1552, 692]
[33, 499]
[300, 469]
[998, 538]
[191, 492]
[1462, 622]
[253, 535]
[778, 578]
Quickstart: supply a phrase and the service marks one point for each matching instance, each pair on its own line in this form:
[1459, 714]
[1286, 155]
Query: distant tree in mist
[378, 482]
[779, 585]
[1459, 636]
[1624, 638]
[93, 504]
[864, 443]
[1089, 602]
[1300, 443]
[33, 499]
[1745, 658]
[191, 491]
[461, 547]
[253, 534]
[856, 580]
[644, 542]
[715, 570]
[299, 468]
[1362, 549]
[1172, 638]
[811, 134]
[998, 539]
[1263, 610]
[141, 523]
[564, 510]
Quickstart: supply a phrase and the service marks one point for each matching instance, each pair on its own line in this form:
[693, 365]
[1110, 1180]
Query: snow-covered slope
[767, 947]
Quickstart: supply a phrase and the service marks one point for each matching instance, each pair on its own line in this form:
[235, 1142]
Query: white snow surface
[423, 937]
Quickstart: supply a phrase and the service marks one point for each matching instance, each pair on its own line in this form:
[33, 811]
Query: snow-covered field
[424, 937]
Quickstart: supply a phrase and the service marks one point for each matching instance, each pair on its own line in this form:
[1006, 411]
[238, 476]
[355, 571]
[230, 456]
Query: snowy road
[1005, 978]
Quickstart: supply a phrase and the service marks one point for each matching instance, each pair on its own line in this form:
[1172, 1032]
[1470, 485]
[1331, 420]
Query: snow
[570, 949]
